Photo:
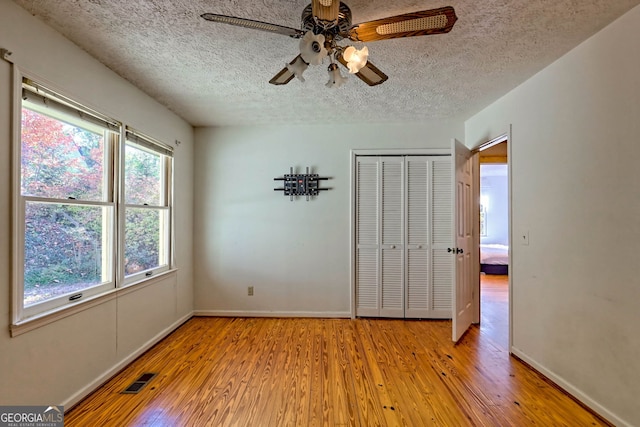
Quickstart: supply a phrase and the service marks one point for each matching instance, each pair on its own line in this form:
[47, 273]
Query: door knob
[459, 251]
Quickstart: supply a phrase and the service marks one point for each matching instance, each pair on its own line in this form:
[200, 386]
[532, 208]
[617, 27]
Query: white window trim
[53, 303]
[118, 286]
[146, 143]
[20, 312]
[47, 317]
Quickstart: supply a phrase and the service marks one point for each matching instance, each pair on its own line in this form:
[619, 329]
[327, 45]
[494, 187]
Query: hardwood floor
[330, 372]
[494, 308]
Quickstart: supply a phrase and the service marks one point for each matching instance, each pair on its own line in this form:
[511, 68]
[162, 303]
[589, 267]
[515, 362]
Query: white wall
[575, 286]
[60, 362]
[295, 254]
[575, 152]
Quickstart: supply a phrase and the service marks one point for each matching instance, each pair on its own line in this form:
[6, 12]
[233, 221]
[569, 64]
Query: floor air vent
[138, 384]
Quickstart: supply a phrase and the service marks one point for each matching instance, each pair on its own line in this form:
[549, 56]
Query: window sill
[42, 319]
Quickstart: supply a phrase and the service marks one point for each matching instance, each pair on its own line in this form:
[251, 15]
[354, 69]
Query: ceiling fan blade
[433, 21]
[284, 76]
[370, 74]
[325, 11]
[256, 25]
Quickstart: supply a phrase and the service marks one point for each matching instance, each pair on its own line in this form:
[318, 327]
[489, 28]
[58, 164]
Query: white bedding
[494, 254]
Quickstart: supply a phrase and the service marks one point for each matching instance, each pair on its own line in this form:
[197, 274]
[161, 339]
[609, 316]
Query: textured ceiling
[213, 74]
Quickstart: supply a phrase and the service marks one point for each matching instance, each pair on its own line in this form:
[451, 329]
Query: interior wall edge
[577, 394]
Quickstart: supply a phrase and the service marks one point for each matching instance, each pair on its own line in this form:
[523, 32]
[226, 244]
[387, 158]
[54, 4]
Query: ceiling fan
[325, 23]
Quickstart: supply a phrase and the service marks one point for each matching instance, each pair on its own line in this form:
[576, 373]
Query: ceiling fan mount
[335, 27]
[325, 23]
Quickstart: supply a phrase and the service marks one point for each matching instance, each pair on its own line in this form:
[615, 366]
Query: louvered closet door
[367, 237]
[392, 248]
[380, 236]
[403, 230]
[429, 265]
[418, 291]
[441, 224]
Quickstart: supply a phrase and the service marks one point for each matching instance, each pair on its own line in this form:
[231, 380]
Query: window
[146, 226]
[77, 234]
[484, 203]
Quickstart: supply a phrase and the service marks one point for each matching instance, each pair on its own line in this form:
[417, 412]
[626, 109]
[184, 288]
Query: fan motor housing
[339, 29]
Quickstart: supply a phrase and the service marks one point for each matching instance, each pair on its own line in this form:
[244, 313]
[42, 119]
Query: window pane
[60, 160]
[143, 177]
[64, 249]
[144, 239]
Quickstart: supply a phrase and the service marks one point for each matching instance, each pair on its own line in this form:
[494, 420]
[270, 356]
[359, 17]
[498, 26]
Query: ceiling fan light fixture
[356, 59]
[336, 79]
[297, 67]
[325, 23]
[312, 48]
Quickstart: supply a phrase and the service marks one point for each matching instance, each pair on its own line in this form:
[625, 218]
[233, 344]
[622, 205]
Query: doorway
[494, 271]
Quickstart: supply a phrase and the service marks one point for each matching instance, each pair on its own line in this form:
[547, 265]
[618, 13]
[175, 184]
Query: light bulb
[356, 59]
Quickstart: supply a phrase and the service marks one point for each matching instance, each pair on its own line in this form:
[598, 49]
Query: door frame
[505, 136]
[354, 154]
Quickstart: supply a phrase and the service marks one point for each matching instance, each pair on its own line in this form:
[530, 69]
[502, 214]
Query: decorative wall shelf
[301, 184]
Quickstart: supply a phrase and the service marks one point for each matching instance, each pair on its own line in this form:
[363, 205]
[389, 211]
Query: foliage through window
[146, 211]
[69, 206]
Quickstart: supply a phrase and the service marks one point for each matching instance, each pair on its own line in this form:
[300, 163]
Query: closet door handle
[449, 249]
[459, 251]
[393, 246]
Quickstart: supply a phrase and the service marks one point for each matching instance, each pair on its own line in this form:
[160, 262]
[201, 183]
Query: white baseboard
[238, 313]
[572, 390]
[89, 388]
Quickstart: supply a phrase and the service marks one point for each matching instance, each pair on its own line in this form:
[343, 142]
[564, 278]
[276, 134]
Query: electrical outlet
[250, 291]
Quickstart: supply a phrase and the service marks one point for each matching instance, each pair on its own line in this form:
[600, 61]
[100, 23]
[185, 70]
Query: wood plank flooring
[330, 372]
[494, 308]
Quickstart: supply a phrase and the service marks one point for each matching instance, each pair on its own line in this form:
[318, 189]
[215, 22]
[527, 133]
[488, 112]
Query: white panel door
[463, 223]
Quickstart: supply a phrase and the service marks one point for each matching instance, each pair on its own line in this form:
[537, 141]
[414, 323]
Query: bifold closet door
[392, 232]
[428, 235]
[367, 246]
[403, 230]
[418, 266]
[380, 236]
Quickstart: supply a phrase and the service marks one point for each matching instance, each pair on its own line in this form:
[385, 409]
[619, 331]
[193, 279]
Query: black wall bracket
[301, 184]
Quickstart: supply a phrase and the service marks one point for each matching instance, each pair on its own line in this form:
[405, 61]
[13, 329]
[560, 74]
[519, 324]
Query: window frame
[140, 141]
[27, 318]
